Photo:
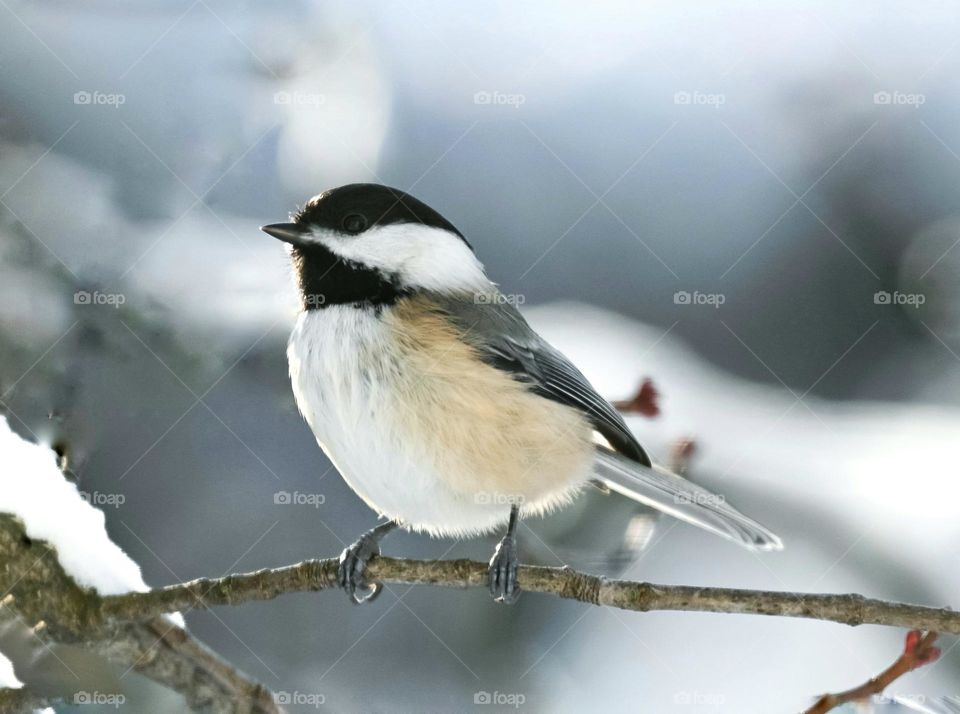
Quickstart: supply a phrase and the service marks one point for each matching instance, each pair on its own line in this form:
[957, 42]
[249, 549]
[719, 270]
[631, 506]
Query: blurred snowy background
[758, 203]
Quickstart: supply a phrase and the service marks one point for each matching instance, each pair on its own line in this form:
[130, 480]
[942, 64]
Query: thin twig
[645, 401]
[917, 651]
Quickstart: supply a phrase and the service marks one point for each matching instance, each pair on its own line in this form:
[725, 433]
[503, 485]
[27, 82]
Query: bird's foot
[502, 572]
[353, 565]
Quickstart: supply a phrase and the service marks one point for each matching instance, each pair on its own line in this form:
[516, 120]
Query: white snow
[7, 678]
[52, 509]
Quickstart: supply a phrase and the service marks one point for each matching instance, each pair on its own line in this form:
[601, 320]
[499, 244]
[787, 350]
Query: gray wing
[505, 340]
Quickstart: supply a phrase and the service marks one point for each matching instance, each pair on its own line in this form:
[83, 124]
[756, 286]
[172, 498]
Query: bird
[436, 401]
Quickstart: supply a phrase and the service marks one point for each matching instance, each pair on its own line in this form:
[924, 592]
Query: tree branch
[49, 601]
[15, 701]
[129, 628]
[566, 583]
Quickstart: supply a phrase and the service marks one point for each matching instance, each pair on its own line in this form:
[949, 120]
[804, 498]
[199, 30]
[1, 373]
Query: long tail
[675, 495]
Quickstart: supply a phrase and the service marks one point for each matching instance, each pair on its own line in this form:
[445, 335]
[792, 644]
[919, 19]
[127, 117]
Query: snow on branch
[45, 596]
[57, 562]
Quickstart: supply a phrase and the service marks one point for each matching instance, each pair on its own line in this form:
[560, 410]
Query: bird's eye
[354, 223]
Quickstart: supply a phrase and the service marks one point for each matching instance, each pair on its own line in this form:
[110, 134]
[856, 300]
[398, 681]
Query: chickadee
[437, 402]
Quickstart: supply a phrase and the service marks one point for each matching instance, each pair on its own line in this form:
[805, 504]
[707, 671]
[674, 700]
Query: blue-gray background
[793, 159]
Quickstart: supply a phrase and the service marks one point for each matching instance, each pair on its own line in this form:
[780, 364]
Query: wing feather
[505, 340]
[682, 499]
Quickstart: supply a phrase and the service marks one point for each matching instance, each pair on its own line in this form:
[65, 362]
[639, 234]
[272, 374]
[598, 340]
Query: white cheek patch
[421, 256]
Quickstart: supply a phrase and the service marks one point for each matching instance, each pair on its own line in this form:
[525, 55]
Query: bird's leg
[503, 565]
[353, 563]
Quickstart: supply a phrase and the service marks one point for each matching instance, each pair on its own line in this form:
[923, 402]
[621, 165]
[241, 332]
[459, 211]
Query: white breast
[353, 383]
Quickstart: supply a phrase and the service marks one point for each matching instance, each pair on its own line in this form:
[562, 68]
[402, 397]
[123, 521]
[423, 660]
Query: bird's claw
[503, 571]
[353, 565]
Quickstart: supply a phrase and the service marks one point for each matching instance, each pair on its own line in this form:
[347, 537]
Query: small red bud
[913, 639]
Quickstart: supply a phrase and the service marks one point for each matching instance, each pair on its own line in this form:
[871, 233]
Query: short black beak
[287, 232]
